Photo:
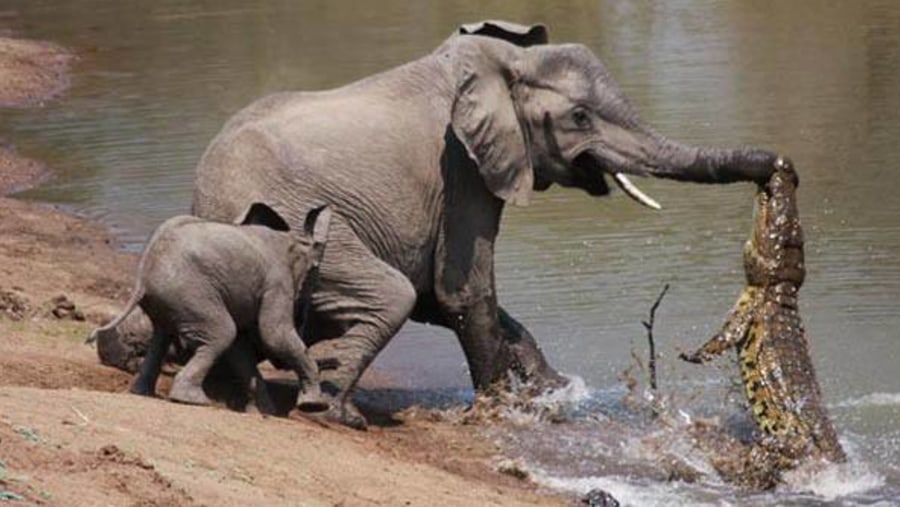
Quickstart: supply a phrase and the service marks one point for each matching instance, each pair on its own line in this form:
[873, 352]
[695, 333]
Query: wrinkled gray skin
[231, 290]
[418, 162]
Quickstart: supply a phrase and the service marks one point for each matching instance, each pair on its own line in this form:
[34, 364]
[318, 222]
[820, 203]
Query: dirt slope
[69, 435]
[91, 448]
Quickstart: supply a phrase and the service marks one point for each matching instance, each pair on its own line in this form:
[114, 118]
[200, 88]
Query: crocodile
[765, 327]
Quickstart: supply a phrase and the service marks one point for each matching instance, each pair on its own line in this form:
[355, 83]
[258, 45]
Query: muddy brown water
[817, 80]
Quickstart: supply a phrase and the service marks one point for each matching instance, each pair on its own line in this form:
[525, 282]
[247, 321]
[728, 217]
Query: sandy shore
[70, 435]
[31, 73]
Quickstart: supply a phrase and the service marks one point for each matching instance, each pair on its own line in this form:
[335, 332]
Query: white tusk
[634, 192]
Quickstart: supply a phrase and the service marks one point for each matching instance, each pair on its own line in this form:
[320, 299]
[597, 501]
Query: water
[817, 80]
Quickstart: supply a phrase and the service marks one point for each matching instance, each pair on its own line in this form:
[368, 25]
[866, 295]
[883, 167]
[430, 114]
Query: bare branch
[648, 325]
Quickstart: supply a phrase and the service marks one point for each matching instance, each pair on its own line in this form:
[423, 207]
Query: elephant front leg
[526, 358]
[493, 342]
[466, 297]
[475, 324]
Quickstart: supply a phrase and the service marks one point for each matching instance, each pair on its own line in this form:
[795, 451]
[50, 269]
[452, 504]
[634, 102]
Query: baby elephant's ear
[520, 35]
[316, 224]
[262, 214]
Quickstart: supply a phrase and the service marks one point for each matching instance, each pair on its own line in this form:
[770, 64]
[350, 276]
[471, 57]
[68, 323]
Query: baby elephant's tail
[98, 333]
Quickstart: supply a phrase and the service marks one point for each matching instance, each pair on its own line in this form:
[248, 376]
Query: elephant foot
[266, 407]
[190, 395]
[341, 413]
[310, 400]
[532, 371]
[261, 397]
[142, 389]
[311, 404]
[348, 415]
[522, 356]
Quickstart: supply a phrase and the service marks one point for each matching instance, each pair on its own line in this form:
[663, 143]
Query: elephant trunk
[640, 151]
[710, 165]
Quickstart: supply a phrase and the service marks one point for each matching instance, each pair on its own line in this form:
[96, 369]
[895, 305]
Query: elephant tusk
[634, 192]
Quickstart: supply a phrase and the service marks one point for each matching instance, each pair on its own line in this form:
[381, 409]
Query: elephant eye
[581, 118]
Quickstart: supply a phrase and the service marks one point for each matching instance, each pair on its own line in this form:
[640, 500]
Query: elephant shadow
[379, 405]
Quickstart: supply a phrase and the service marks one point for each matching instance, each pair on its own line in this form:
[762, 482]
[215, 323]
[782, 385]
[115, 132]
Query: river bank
[71, 435]
[31, 72]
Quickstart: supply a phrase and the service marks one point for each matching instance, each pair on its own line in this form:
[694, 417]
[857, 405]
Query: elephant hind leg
[211, 336]
[242, 360]
[368, 300]
[145, 382]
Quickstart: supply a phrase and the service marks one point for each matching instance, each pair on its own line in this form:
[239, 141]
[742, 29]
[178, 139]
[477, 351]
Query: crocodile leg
[733, 331]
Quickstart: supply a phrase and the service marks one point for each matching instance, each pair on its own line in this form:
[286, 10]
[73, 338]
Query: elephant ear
[316, 226]
[520, 35]
[485, 118]
[260, 213]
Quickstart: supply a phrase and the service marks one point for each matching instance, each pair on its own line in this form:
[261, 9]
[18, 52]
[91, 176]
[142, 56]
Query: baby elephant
[228, 289]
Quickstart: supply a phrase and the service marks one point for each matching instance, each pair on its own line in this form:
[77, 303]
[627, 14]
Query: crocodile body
[764, 325]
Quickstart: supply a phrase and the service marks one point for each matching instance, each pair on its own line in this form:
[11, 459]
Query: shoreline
[19, 173]
[33, 73]
[71, 434]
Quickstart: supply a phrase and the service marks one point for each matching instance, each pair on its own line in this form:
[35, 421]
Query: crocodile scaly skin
[765, 327]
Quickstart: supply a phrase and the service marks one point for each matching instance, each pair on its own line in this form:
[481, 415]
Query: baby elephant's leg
[242, 359]
[277, 331]
[145, 383]
[210, 335]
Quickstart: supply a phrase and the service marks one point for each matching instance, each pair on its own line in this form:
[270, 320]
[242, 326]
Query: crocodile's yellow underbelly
[764, 385]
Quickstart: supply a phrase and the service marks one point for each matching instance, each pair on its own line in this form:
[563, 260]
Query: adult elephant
[418, 163]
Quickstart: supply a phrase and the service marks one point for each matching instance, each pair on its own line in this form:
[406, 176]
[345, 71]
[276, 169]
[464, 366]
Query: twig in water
[651, 365]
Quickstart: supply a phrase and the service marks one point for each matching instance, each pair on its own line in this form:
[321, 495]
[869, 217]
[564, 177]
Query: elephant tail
[139, 290]
[136, 297]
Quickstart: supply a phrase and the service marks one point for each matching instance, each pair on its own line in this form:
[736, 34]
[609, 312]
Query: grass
[10, 496]
[4, 479]
[47, 331]
[28, 434]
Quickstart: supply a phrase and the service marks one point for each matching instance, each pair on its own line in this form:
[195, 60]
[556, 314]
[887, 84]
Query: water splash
[641, 450]
[628, 491]
[639, 445]
[830, 481]
[871, 400]
[565, 401]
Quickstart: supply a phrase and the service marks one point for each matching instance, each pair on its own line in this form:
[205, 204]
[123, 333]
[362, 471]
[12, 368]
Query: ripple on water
[870, 400]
